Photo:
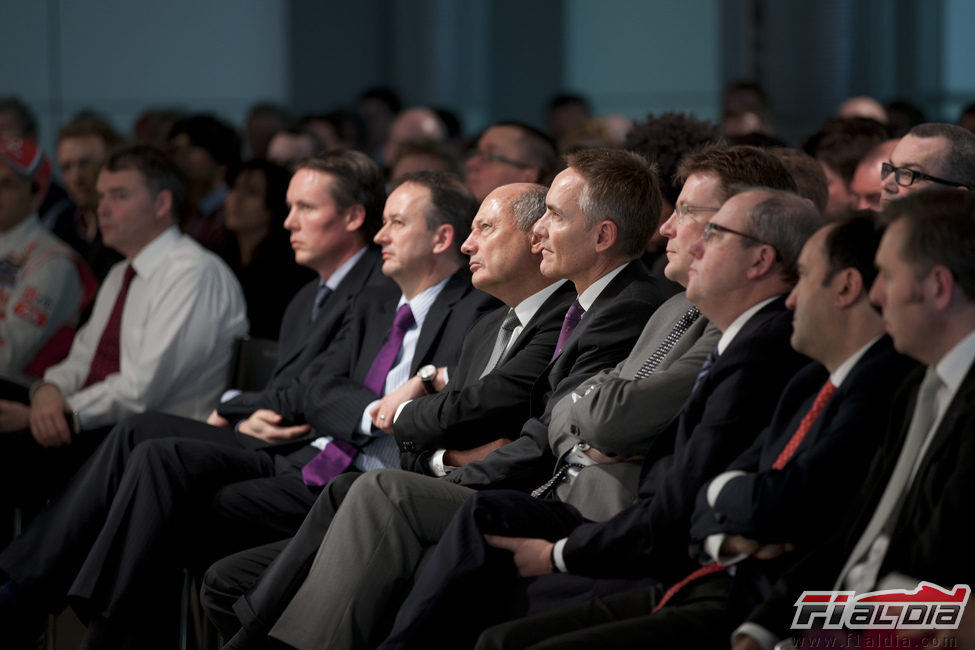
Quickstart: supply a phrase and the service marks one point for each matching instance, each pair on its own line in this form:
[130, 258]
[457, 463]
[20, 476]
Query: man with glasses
[930, 156]
[739, 272]
[510, 152]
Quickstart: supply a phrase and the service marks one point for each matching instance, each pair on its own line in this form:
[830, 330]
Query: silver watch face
[426, 373]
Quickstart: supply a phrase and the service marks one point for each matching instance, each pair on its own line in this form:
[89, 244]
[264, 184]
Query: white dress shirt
[182, 313]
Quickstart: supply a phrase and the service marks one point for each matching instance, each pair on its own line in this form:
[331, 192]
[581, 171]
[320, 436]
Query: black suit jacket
[732, 405]
[300, 339]
[472, 409]
[602, 339]
[330, 395]
[930, 539]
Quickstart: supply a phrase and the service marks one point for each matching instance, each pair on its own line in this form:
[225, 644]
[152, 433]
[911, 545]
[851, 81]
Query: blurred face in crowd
[498, 160]
[924, 155]
[129, 215]
[16, 198]
[79, 159]
[246, 205]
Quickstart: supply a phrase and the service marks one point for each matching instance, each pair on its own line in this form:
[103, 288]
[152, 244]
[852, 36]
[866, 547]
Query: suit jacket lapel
[436, 317]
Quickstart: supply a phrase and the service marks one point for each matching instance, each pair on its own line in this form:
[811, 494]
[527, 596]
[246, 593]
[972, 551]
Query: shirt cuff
[437, 468]
[399, 409]
[761, 636]
[712, 546]
[717, 484]
[365, 424]
[557, 558]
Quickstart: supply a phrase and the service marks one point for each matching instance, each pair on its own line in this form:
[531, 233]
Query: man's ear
[940, 286]
[606, 235]
[443, 238]
[162, 205]
[764, 262]
[354, 217]
[849, 287]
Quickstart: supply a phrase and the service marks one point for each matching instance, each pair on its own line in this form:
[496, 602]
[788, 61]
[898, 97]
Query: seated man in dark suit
[646, 388]
[743, 264]
[488, 390]
[593, 230]
[911, 524]
[798, 473]
[187, 481]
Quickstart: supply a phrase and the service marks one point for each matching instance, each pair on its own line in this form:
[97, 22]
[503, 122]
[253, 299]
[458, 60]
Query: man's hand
[48, 423]
[216, 420]
[14, 416]
[265, 424]
[738, 545]
[382, 414]
[532, 556]
[459, 458]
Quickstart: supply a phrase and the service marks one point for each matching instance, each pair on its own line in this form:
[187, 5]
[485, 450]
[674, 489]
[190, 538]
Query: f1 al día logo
[926, 607]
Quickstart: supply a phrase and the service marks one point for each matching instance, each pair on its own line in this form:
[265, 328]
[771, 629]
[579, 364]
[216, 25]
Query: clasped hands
[383, 413]
[45, 417]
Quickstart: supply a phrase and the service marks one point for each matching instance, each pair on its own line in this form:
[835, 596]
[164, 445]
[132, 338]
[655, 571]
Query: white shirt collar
[955, 365]
[587, 297]
[421, 303]
[840, 374]
[154, 253]
[336, 278]
[732, 331]
[525, 310]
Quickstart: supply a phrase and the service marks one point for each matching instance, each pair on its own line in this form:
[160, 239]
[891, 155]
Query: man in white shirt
[160, 336]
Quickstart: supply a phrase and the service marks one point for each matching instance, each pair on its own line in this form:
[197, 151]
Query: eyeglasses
[490, 156]
[710, 228]
[905, 177]
[683, 211]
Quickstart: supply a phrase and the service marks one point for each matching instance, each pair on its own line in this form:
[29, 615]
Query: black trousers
[160, 493]
[468, 585]
[250, 588]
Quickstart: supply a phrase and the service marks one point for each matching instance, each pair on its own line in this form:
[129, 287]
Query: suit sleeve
[528, 461]
[465, 416]
[643, 539]
[620, 417]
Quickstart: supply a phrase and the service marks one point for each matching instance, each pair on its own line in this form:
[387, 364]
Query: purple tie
[383, 363]
[572, 318]
[338, 455]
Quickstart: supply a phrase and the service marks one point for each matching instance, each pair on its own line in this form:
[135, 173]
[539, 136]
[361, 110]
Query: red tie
[106, 359]
[790, 448]
[807, 421]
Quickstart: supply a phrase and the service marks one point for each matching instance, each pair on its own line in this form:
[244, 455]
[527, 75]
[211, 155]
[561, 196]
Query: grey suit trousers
[365, 566]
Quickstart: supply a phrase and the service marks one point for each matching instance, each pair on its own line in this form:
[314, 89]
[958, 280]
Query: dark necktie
[705, 369]
[338, 455]
[501, 344]
[106, 358]
[383, 363]
[324, 291]
[825, 393]
[680, 328]
[572, 318]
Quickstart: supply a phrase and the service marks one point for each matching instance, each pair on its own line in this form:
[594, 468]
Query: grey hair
[529, 206]
[785, 221]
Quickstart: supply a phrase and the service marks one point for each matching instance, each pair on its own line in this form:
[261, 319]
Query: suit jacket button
[719, 517]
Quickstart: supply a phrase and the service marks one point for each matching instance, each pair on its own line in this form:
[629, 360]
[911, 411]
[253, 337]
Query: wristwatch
[426, 375]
